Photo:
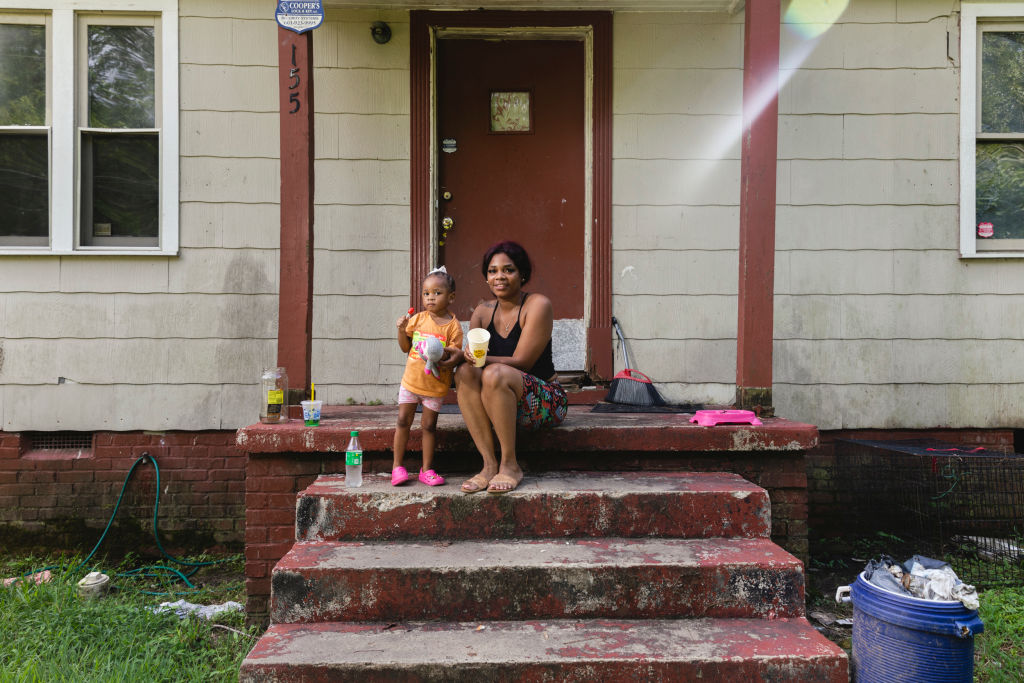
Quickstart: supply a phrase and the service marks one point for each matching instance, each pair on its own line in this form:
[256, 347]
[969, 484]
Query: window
[24, 133]
[992, 130]
[88, 128]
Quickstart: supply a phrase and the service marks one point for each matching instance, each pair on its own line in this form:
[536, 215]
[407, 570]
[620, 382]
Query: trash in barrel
[899, 637]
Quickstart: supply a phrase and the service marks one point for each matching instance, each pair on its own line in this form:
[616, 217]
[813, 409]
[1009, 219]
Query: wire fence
[959, 504]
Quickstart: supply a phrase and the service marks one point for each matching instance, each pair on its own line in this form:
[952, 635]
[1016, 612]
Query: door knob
[446, 224]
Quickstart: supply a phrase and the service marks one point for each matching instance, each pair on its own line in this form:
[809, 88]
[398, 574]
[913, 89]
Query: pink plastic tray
[710, 418]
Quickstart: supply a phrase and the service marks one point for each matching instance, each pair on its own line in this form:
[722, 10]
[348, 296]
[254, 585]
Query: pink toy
[430, 350]
[710, 418]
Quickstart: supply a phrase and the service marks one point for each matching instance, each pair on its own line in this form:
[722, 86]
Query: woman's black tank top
[543, 369]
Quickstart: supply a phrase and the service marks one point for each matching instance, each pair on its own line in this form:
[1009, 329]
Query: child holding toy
[428, 337]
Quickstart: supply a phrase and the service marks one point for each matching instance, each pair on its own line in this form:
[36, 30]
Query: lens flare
[811, 18]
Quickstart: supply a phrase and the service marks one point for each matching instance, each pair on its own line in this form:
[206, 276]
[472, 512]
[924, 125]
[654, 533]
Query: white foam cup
[478, 339]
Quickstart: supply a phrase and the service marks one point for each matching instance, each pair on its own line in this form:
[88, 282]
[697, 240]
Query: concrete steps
[536, 579]
[554, 505]
[574, 576]
[782, 650]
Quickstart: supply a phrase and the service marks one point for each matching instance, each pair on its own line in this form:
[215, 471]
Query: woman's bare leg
[468, 386]
[502, 386]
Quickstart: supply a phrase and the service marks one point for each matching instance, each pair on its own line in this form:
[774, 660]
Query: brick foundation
[63, 499]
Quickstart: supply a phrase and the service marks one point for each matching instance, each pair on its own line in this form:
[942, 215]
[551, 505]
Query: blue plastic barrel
[900, 638]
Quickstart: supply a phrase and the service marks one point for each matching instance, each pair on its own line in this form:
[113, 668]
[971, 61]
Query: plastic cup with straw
[311, 408]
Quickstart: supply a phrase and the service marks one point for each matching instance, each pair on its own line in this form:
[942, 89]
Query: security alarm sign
[300, 15]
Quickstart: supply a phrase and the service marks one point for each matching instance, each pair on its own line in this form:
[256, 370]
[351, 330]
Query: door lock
[446, 195]
[446, 224]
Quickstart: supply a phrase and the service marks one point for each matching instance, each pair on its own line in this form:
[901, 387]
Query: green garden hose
[154, 571]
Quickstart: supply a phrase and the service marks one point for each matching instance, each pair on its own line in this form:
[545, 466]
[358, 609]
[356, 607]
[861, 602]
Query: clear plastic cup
[311, 412]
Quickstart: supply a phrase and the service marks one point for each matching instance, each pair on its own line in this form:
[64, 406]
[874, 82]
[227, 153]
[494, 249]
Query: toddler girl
[422, 383]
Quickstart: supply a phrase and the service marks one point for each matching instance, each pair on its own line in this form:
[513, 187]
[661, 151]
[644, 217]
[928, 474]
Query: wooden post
[757, 205]
[295, 301]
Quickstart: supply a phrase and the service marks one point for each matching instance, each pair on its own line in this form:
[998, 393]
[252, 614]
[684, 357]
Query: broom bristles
[633, 392]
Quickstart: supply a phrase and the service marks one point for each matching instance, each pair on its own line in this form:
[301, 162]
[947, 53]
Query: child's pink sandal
[431, 478]
[400, 475]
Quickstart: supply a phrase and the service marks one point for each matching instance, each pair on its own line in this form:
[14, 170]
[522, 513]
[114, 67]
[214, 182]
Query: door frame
[595, 30]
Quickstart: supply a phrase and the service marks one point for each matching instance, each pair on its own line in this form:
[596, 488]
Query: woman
[518, 383]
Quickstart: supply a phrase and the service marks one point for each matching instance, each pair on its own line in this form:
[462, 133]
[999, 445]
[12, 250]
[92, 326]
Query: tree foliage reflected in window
[999, 174]
[122, 77]
[1002, 83]
[120, 171]
[22, 75]
[24, 158]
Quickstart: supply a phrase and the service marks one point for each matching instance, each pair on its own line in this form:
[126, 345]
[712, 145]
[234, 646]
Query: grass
[999, 651]
[49, 633]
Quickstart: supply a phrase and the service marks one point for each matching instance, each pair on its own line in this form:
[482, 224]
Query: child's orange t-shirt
[415, 379]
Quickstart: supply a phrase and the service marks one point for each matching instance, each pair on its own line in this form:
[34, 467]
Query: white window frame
[62, 90]
[971, 15]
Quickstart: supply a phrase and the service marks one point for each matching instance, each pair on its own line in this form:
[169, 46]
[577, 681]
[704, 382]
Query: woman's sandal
[478, 482]
[505, 479]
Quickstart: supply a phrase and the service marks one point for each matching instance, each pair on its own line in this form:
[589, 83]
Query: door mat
[446, 409]
[623, 408]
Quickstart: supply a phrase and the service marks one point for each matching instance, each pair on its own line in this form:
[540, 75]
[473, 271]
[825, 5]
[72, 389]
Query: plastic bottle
[354, 461]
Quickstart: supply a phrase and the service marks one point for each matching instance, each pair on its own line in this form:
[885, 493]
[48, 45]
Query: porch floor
[582, 430]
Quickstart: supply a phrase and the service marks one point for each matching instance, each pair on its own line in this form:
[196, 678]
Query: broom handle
[622, 341]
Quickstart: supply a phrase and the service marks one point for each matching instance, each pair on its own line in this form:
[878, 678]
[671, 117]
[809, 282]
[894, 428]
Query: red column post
[295, 301]
[757, 205]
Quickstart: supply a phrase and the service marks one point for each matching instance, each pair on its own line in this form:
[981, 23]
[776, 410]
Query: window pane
[122, 82]
[120, 189]
[22, 75]
[1002, 82]
[1000, 188]
[24, 190]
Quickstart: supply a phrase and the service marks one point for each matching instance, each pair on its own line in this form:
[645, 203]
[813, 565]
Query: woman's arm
[479, 318]
[537, 321]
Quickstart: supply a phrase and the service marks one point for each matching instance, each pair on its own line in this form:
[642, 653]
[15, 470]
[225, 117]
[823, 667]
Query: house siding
[361, 278]
[878, 322]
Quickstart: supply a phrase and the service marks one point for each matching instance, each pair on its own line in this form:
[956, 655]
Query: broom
[629, 386]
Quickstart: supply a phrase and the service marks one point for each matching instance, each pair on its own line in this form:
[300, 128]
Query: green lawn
[999, 651]
[49, 633]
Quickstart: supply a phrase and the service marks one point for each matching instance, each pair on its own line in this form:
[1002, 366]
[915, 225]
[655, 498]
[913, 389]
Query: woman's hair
[514, 251]
[442, 273]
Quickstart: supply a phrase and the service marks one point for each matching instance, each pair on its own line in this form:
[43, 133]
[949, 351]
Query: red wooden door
[524, 181]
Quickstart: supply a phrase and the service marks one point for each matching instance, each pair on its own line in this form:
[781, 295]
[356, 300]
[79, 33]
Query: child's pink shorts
[429, 402]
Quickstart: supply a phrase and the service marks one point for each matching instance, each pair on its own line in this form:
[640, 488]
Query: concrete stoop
[574, 576]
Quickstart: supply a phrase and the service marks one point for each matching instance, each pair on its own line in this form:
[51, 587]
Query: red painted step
[746, 650]
[670, 504]
[535, 579]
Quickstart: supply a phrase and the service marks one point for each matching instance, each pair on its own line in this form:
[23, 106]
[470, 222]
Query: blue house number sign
[300, 15]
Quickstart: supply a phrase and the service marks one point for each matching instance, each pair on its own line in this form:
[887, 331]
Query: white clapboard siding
[878, 322]
[361, 280]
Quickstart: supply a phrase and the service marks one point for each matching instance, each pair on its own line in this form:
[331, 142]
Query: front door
[512, 166]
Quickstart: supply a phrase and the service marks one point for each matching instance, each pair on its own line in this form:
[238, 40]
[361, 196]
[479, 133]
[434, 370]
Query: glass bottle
[274, 406]
[354, 461]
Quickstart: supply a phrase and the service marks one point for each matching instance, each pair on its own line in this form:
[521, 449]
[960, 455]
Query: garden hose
[154, 571]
